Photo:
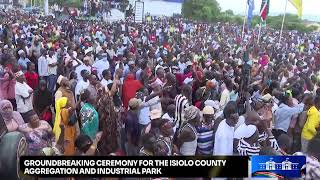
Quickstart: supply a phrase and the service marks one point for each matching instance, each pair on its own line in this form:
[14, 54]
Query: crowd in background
[160, 88]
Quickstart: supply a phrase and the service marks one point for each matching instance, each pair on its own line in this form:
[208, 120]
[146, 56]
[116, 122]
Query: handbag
[73, 119]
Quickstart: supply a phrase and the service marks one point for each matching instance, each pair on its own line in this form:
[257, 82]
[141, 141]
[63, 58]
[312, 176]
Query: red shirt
[32, 79]
[129, 89]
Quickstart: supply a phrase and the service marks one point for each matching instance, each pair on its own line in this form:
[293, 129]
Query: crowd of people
[163, 88]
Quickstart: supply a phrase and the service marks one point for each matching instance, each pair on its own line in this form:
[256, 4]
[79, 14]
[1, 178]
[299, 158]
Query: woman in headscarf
[65, 117]
[129, 89]
[88, 115]
[109, 122]
[12, 118]
[37, 132]
[42, 100]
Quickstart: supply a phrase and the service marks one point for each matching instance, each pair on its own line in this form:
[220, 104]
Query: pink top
[7, 88]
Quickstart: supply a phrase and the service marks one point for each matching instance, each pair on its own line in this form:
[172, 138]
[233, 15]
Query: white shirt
[223, 141]
[80, 68]
[22, 91]
[43, 66]
[81, 85]
[105, 82]
[52, 70]
[225, 98]
[101, 65]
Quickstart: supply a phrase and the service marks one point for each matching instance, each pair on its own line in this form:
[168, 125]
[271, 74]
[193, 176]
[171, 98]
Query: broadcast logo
[278, 166]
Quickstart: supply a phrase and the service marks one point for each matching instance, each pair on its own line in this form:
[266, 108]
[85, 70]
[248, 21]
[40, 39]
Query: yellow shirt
[313, 121]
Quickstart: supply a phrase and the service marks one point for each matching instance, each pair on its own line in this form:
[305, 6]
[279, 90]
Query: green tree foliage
[203, 10]
[209, 11]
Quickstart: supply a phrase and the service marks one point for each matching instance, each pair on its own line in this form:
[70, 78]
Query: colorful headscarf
[3, 105]
[61, 103]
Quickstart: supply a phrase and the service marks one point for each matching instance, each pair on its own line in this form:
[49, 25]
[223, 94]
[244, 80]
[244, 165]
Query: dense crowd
[160, 88]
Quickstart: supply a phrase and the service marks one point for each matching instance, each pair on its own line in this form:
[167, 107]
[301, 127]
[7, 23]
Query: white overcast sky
[310, 7]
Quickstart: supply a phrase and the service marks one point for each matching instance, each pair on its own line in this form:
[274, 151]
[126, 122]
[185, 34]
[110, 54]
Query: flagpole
[244, 20]
[284, 16]
[259, 32]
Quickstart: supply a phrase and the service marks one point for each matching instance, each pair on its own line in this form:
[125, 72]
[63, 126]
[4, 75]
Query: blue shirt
[283, 115]
[23, 63]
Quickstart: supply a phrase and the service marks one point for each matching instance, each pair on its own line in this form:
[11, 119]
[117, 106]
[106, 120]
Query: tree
[229, 12]
[204, 10]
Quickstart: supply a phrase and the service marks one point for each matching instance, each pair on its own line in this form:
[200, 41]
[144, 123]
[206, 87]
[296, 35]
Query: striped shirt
[181, 103]
[246, 149]
[274, 144]
[205, 139]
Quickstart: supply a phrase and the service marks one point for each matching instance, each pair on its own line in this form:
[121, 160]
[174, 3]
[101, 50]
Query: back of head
[230, 108]
[83, 143]
[285, 142]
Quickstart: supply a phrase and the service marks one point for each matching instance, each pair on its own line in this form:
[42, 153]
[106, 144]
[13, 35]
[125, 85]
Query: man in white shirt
[85, 66]
[43, 64]
[52, 71]
[24, 94]
[83, 83]
[223, 141]
[101, 65]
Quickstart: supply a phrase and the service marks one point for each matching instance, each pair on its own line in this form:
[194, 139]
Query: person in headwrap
[42, 100]
[129, 89]
[11, 118]
[187, 136]
[63, 117]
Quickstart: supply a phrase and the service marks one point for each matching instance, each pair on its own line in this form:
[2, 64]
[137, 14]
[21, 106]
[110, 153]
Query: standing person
[129, 89]
[109, 122]
[187, 135]
[23, 60]
[42, 100]
[64, 117]
[52, 71]
[88, 115]
[83, 83]
[7, 88]
[11, 118]
[85, 66]
[205, 132]
[24, 95]
[284, 114]
[182, 102]
[94, 84]
[31, 76]
[225, 95]
[223, 142]
[165, 136]
[312, 124]
[65, 91]
[106, 78]
[313, 156]
[43, 65]
[132, 127]
[249, 145]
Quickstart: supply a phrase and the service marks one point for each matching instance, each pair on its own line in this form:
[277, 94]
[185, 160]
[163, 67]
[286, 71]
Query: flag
[298, 5]
[264, 10]
[250, 11]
